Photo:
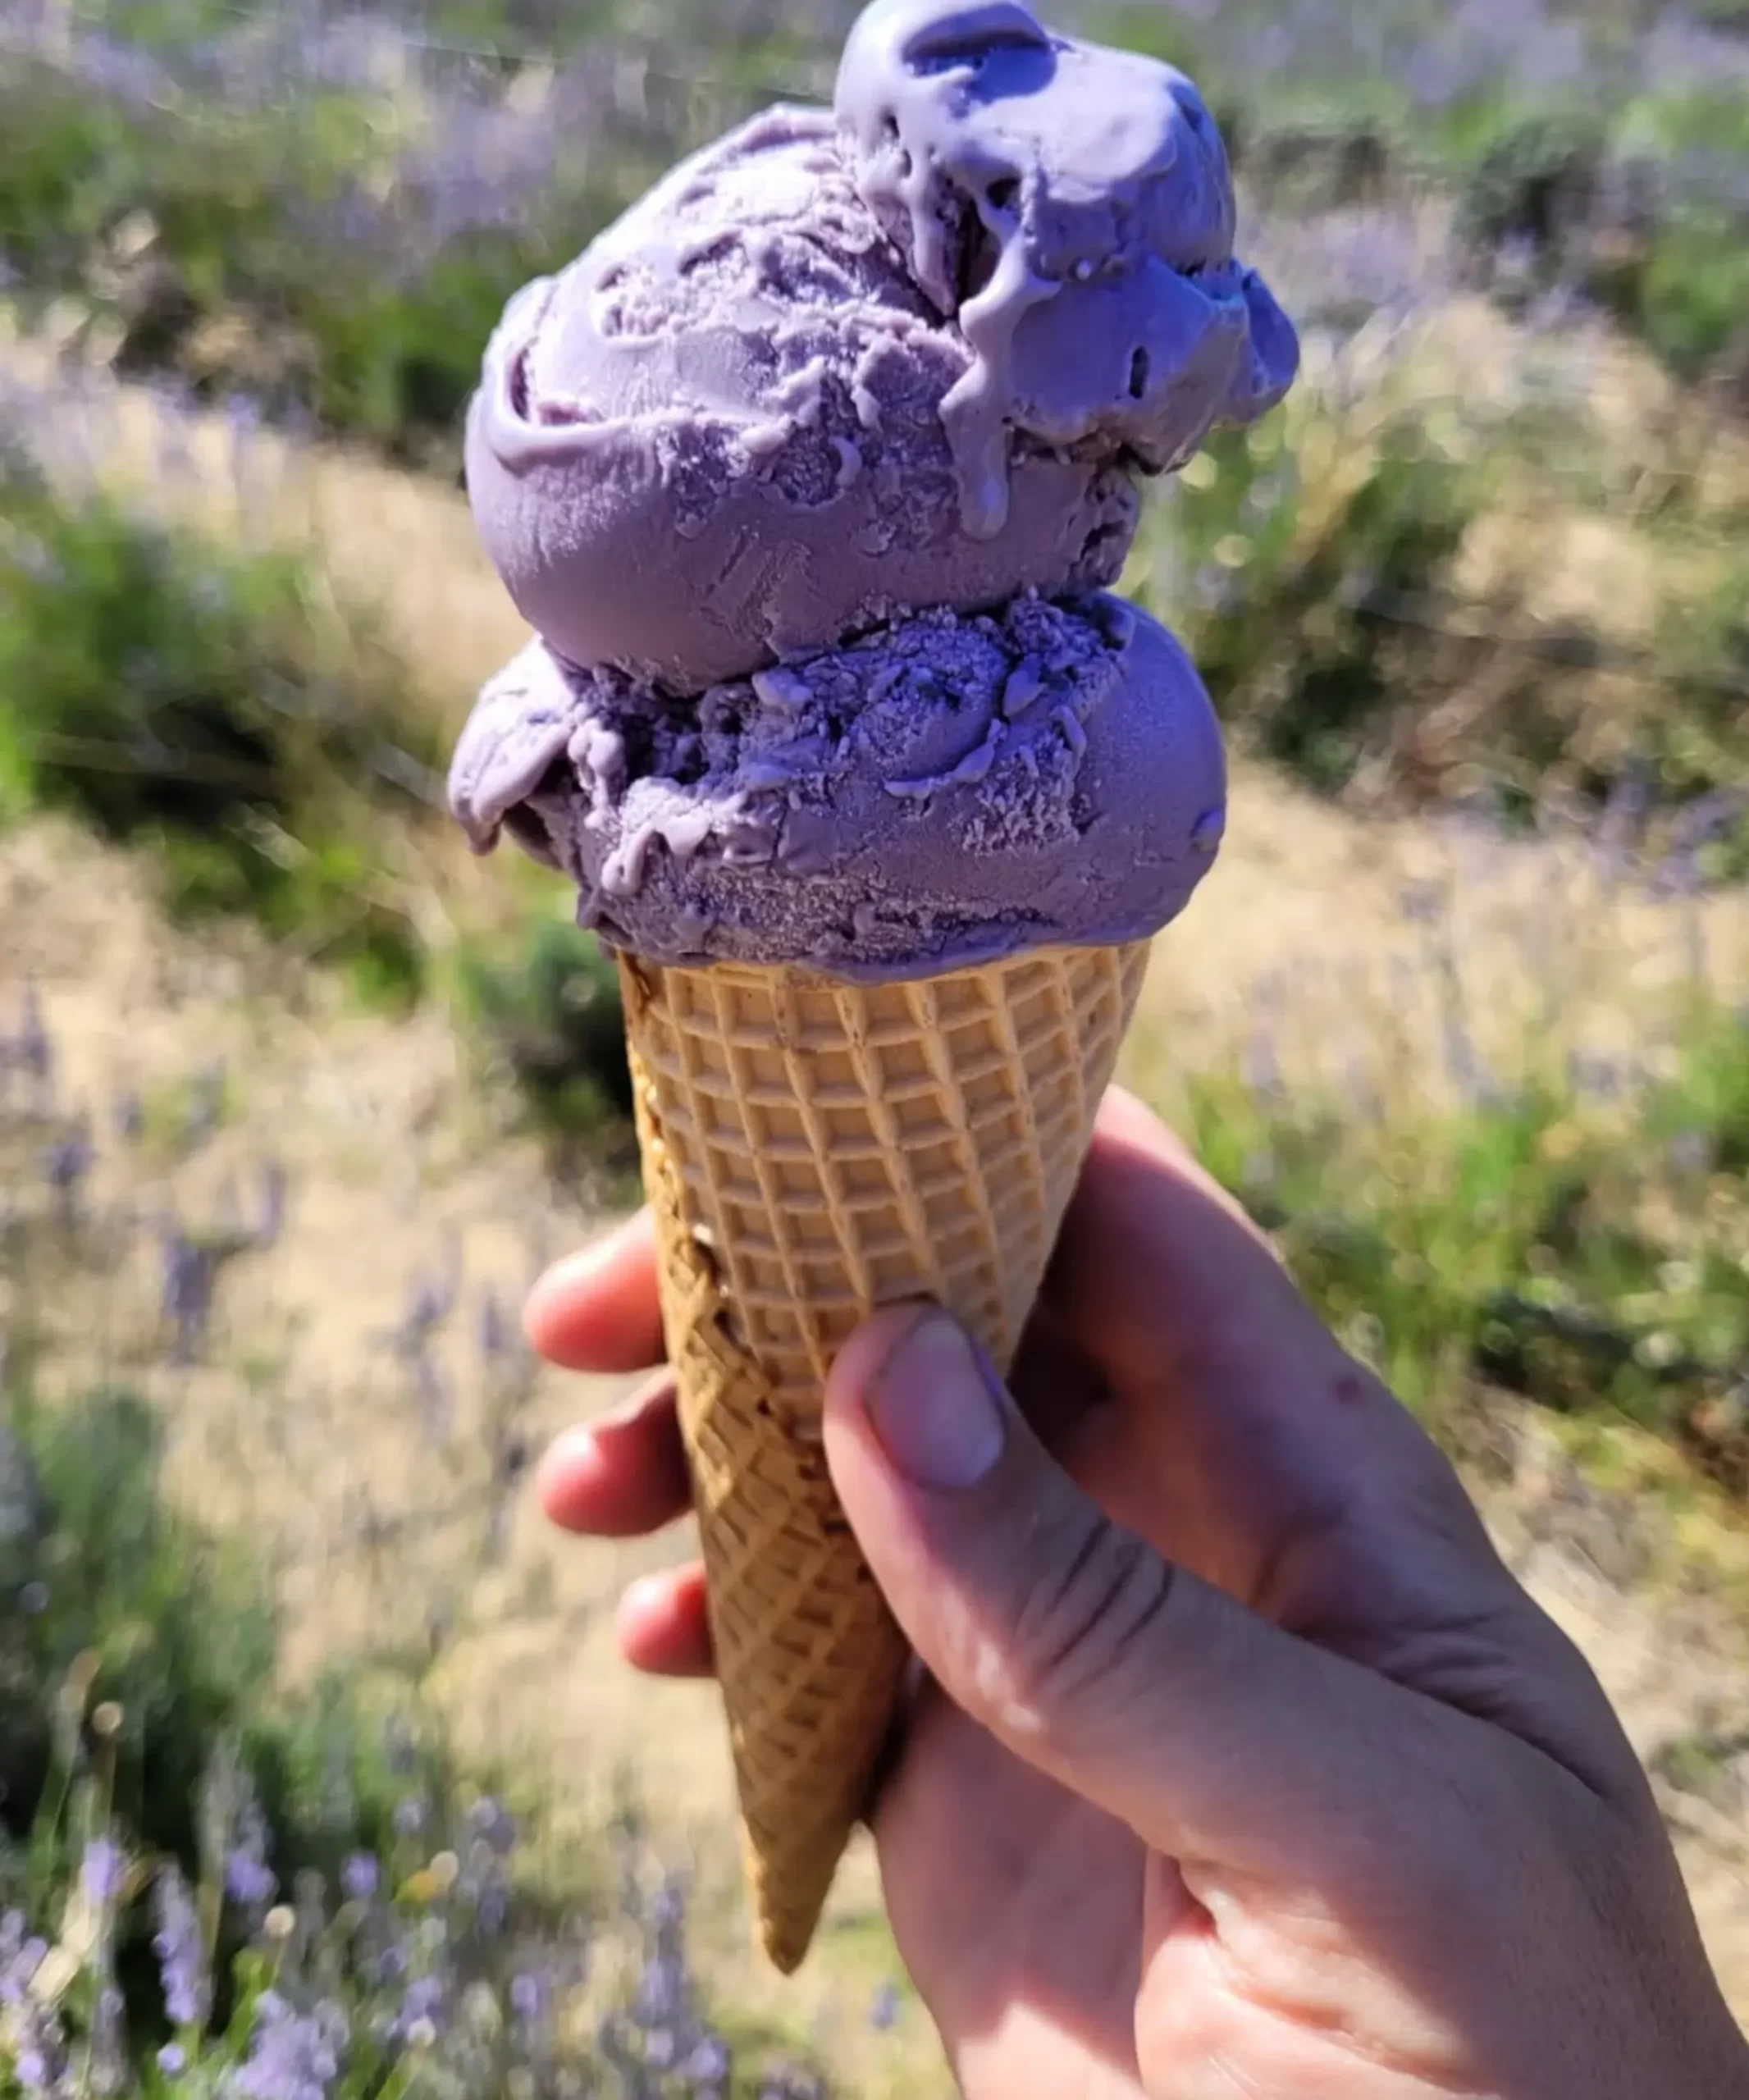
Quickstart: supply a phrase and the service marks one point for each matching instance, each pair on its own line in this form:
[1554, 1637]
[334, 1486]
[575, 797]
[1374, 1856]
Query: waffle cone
[812, 1150]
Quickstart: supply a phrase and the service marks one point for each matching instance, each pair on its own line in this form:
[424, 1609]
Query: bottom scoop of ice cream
[949, 792]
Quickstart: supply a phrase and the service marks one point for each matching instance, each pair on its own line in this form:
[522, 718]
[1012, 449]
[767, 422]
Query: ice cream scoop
[715, 439]
[909, 353]
[1072, 207]
[951, 791]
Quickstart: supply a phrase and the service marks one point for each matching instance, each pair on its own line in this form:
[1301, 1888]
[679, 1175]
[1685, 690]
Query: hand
[1244, 1767]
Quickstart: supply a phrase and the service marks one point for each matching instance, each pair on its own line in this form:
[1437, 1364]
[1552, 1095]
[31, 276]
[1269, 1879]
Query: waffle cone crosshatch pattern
[812, 1150]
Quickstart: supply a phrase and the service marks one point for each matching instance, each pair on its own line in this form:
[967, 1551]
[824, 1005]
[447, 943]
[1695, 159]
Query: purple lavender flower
[108, 2066]
[492, 1823]
[36, 1053]
[35, 2067]
[661, 1990]
[709, 2063]
[436, 1409]
[430, 1302]
[180, 1947]
[39, 2044]
[206, 1105]
[493, 1331]
[884, 2013]
[272, 1221]
[360, 1877]
[20, 1954]
[70, 1159]
[421, 2004]
[292, 2056]
[249, 1879]
[190, 1271]
[102, 1873]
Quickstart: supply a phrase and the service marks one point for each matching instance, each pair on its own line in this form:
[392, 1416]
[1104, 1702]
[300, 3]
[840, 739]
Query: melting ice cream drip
[1015, 168]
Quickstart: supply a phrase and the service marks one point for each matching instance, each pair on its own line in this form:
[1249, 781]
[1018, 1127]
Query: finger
[1161, 1271]
[662, 1626]
[1257, 1451]
[1151, 1694]
[622, 1476]
[597, 1311]
[1252, 1431]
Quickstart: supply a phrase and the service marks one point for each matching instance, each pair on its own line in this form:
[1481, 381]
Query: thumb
[1153, 1695]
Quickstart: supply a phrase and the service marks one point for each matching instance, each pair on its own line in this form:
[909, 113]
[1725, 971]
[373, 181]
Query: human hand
[1244, 1767]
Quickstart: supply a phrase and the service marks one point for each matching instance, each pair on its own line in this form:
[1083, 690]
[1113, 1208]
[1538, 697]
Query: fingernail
[936, 1406]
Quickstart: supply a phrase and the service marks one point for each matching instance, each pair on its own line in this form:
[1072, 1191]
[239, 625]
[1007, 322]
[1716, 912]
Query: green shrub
[200, 701]
[1599, 201]
[1692, 302]
[1283, 559]
[124, 1603]
[1309, 565]
[1590, 1260]
[136, 1658]
[547, 1004]
[1536, 183]
[199, 1873]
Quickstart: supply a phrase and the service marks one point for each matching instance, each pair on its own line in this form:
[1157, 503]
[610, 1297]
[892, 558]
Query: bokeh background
[316, 1775]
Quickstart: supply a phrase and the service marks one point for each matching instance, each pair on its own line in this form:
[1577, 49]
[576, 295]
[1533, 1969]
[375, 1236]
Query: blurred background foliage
[1482, 583]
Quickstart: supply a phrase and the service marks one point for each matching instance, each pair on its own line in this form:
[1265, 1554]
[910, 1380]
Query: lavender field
[318, 1778]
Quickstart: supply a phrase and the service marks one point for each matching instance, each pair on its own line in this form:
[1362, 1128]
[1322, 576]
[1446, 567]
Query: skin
[1241, 1769]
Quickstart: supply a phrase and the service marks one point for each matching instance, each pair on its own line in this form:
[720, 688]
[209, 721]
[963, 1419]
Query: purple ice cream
[717, 438]
[951, 791]
[809, 474]
[830, 369]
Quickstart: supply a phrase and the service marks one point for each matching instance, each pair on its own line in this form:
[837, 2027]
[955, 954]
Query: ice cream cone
[811, 1150]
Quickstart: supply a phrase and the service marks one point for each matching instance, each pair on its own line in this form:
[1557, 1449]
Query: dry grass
[1347, 948]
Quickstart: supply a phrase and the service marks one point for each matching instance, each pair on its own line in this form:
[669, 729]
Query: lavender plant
[205, 1890]
[1314, 565]
[326, 211]
[549, 1008]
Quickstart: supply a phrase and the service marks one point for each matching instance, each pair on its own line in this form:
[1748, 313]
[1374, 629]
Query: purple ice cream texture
[1034, 237]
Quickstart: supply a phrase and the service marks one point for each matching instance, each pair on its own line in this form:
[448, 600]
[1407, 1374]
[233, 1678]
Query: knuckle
[1088, 1618]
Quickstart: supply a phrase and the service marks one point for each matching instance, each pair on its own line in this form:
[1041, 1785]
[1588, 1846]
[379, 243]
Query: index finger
[1160, 1274]
[598, 1310]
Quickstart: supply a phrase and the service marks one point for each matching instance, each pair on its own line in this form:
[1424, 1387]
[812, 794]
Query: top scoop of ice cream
[841, 366]
[1072, 207]
[715, 439]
